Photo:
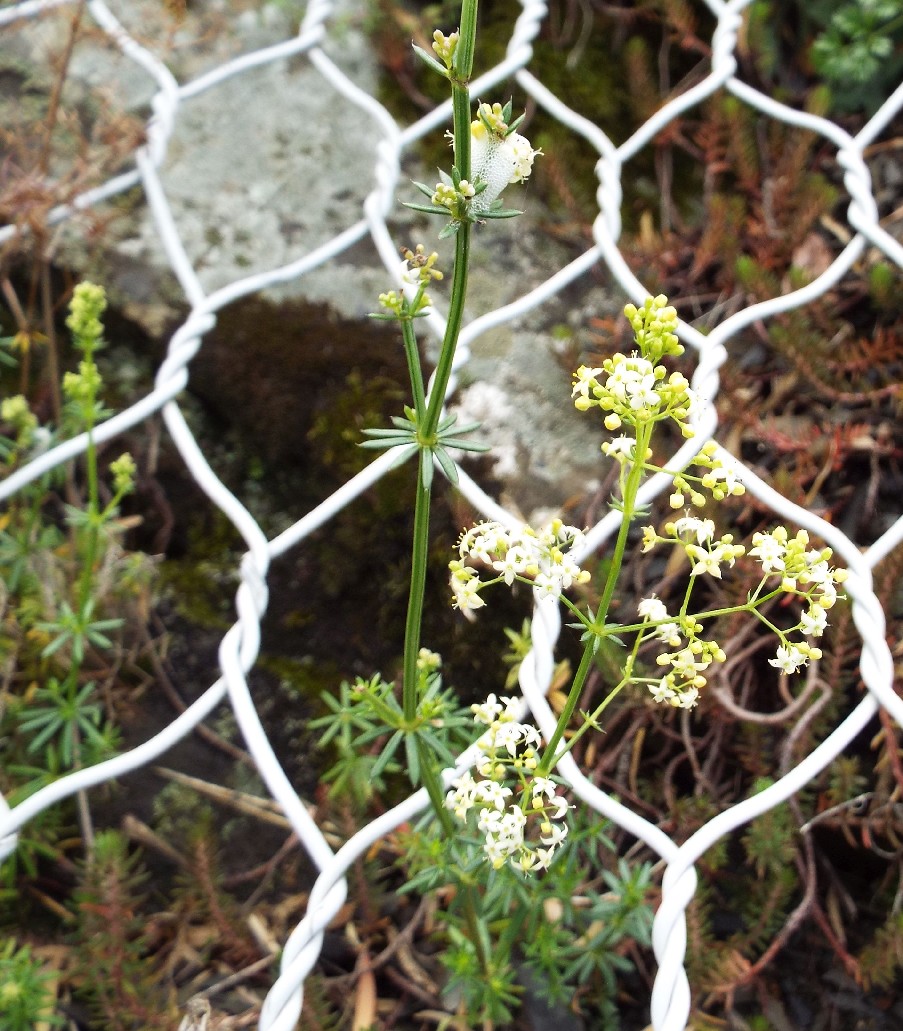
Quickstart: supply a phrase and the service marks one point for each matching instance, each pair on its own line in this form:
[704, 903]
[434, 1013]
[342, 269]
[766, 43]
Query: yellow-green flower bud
[85, 309]
[123, 470]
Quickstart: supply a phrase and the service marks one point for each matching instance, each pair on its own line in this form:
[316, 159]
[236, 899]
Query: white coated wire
[670, 1002]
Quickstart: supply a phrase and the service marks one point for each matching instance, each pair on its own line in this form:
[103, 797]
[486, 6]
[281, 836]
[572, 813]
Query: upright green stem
[461, 118]
[428, 418]
[420, 546]
[419, 553]
[90, 550]
[631, 487]
[452, 330]
[586, 662]
[634, 479]
[460, 85]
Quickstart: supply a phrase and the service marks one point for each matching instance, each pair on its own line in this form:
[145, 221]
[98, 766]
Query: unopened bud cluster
[720, 480]
[88, 303]
[417, 270]
[507, 754]
[16, 413]
[445, 46]
[635, 390]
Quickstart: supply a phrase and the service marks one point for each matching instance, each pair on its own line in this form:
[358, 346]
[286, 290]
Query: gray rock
[272, 163]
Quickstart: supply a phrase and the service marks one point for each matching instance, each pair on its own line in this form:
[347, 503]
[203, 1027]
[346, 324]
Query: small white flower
[462, 798]
[492, 793]
[702, 529]
[662, 692]
[620, 447]
[652, 609]
[643, 394]
[543, 786]
[770, 551]
[466, 594]
[488, 711]
[584, 380]
[789, 658]
[688, 697]
[704, 561]
[814, 621]
[547, 585]
[556, 833]
[542, 858]
[513, 563]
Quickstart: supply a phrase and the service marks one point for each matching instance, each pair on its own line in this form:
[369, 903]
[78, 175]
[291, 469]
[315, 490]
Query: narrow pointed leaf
[447, 465]
[426, 476]
[468, 427]
[501, 213]
[375, 445]
[386, 754]
[463, 444]
[430, 60]
[402, 454]
[430, 209]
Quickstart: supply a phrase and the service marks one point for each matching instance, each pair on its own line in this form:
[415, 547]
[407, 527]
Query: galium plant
[63, 567]
[634, 393]
[505, 815]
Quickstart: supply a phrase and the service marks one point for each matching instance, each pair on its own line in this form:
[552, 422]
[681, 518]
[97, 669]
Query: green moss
[201, 585]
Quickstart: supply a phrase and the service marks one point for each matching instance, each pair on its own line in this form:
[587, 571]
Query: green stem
[434, 789]
[586, 661]
[631, 487]
[461, 134]
[93, 503]
[634, 480]
[461, 120]
[452, 331]
[419, 553]
[467, 40]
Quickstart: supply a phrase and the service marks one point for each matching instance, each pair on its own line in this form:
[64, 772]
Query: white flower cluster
[690, 658]
[806, 573]
[509, 747]
[698, 539]
[527, 554]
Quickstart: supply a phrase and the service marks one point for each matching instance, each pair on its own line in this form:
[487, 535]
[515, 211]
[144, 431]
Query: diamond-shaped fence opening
[156, 165]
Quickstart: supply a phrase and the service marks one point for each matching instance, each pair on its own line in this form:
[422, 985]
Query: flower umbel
[507, 754]
[801, 571]
[541, 557]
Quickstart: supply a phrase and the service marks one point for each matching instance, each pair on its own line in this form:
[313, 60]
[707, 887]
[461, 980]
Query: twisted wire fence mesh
[670, 1002]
